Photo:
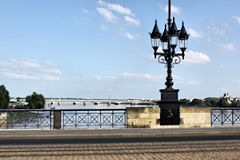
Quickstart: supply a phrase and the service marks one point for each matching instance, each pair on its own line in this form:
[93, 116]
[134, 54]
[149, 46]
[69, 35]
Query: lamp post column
[169, 103]
[169, 78]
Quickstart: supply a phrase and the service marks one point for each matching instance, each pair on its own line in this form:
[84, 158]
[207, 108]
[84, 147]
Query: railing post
[38, 118]
[12, 113]
[63, 118]
[232, 117]
[50, 118]
[211, 117]
[221, 111]
[112, 119]
[89, 119]
[57, 119]
[76, 123]
[100, 119]
[125, 123]
[25, 125]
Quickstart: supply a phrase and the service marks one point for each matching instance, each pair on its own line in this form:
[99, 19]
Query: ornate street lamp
[169, 38]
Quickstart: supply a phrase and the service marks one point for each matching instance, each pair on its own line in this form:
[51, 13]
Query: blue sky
[101, 48]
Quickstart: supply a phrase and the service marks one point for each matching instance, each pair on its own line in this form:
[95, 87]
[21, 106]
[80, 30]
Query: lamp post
[169, 39]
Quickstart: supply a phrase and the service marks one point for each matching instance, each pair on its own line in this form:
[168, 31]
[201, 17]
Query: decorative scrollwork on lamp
[176, 60]
[162, 59]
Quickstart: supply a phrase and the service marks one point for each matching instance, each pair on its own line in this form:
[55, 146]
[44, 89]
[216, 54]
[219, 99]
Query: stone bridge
[100, 101]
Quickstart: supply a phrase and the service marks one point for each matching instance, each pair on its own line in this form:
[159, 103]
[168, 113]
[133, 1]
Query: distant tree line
[35, 101]
[211, 102]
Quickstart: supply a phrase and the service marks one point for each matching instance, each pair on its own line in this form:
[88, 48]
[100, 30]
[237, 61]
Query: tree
[211, 102]
[4, 97]
[223, 102]
[235, 103]
[185, 102]
[197, 102]
[35, 101]
[238, 103]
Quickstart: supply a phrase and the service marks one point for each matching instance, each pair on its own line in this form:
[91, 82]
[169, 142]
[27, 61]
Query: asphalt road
[100, 136]
[104, 140]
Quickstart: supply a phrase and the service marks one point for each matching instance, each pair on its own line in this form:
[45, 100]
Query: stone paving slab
[205, 150]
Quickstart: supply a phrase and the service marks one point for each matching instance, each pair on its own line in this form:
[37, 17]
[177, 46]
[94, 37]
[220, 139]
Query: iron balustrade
[225, 116]
[69, 118]
[94, 118]
[26, 118]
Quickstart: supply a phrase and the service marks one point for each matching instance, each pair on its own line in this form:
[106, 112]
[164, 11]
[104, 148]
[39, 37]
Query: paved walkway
[205, 150]
[124, 132]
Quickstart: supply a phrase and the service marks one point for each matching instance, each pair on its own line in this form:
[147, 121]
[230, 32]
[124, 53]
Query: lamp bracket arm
[159, 54]
[180, 54]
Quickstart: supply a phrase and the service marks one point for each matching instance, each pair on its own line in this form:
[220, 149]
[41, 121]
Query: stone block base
[3, 120]
[143, 117]
[149, 117]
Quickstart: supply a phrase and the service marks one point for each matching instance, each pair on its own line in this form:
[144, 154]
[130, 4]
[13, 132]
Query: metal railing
[225, 116]
[94, 118]
[63, 118]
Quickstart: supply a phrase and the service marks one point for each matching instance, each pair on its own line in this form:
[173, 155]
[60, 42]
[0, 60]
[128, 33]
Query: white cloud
[186, 82]
[142, 77]
[26, 63]
[193, 83]
[237, 18]
[116, 7]
[195, 34]
[25, 76]
[28, 70]
[228, 46]
[108, 15]
[103, 27]
[18, 75]
[192, 57]
[132, 21]
[5, 64]
[50, 70]
[131, 77]
[85, 11]
[213, 28]
[50, 63]
[182, 81]
[49, 78]
[100, 78]
[174, 9]
[129, 36]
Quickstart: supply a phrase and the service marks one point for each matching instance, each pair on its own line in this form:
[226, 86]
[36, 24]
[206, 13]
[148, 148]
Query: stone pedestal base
[169, 105]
